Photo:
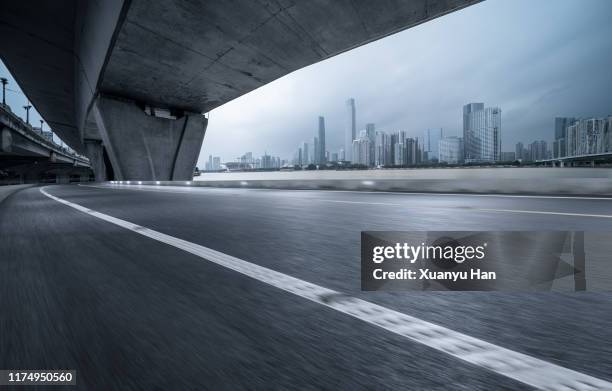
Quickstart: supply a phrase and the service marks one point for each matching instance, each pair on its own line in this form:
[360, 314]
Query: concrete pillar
[62, 178]
[94, 151]
[145, 147]
[561, 164]
[592, 163]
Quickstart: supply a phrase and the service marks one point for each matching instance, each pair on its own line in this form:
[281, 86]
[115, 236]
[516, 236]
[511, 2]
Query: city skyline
[401, 83]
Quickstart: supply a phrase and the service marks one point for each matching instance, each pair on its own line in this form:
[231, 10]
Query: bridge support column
[145, 147]
[95, 153]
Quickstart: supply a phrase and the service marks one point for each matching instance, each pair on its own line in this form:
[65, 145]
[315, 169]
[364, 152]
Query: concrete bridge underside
[126, 81]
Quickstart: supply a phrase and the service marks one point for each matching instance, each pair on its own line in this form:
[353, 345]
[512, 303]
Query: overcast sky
[536, 59]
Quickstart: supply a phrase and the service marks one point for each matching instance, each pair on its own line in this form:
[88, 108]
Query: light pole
[4, 82]
[27, 109]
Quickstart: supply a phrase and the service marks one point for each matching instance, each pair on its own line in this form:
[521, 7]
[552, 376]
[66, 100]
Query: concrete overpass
[126, 81]
[26, 156]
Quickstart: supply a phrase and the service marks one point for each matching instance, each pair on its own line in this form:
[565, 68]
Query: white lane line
[492, 195]
[543, 213]
[518, 366]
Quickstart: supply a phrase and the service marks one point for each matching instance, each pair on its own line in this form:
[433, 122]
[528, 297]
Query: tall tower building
[481, 133]
[321, 150]
[371, 135]
[560, 143]
[350, 129]
[304, 157]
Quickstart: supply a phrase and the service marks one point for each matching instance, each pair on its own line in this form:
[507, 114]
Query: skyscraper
[382, 149]
[320, 159]
[481, 133]
[304, 158]
[361, 150]
[371, 134]
[413, 153]
[431, 142]
[519, 151]
[560, 143]
[350, 130]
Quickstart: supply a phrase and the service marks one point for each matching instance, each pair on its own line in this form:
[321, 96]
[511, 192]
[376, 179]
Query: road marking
[543, 213]
[518, 366]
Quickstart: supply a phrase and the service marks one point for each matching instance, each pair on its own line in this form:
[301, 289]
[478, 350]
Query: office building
[412, 152]
[538, 150]
[350, 129]
[382, 149]
[371, 135]
[481, 133]
[450, 150]
[320, 148]
[361, 150]
[431, 143]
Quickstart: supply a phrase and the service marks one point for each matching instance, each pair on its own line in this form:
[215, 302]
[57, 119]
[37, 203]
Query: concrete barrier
[541, 186]
[7, 190]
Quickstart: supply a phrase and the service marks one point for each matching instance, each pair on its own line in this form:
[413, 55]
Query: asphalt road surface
[127, 311]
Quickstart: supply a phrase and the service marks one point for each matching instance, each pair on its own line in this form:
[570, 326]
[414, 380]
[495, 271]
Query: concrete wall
[576, 181]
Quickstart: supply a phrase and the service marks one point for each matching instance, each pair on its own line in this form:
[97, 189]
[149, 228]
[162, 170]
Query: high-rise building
[589, 136]
[341, 154]
[538, 150]
[361, 150]
[413, 152]
[561, 124]
[382, 154]
[560, 142]
[399, 154]
[320, 157]
[450, 150]
[518, 151]
[350, 129]
[305, 156]
[371, 135]
[266, 161]
[481, 133]
[216, 163]
[431, 142]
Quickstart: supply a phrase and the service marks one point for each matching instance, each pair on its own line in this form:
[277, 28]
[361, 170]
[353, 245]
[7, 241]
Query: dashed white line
[518, 366]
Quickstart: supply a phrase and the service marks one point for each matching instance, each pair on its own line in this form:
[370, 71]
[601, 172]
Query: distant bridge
[588, 159]
[26, 156]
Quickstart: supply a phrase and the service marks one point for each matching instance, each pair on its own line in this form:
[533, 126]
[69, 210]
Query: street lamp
[27, 109]
[4, 82]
